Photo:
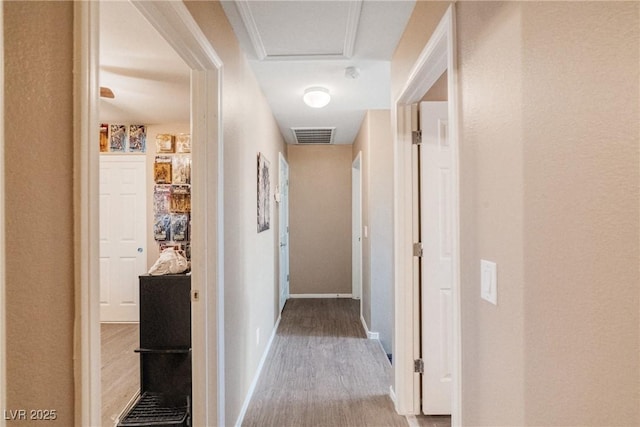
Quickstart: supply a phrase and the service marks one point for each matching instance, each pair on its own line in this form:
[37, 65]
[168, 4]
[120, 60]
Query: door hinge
[195, 295]
[418, 366]
[416, 137]
[418, 249]
[287, 277]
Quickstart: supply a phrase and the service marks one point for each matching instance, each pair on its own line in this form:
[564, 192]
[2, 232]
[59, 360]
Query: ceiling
[293, 45]
[290, 45]
[150, 81]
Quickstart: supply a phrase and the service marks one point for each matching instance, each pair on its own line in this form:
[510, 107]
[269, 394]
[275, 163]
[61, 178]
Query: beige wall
[320, 219]
[375, 142]
[424, 19]
[38, 49]
[251, 259]
[549, 190]
[581, 138]
[361, 145]
[491, 211]
[438, 92]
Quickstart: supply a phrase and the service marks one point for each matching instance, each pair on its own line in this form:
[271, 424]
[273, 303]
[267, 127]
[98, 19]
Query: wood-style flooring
[323, 371]
[433, 420]
[120, 368]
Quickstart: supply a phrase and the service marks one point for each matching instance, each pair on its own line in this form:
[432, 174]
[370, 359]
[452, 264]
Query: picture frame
[162, 170]
[117, 138]
[165, 143]
[183, 143]
[137, 138]
[264, 198]
[104, 138]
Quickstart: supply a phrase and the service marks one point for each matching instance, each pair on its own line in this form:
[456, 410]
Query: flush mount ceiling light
[316, 97]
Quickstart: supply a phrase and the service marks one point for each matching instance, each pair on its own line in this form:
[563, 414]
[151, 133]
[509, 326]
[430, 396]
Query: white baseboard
[320, 296]
[256, 377]
[370, 335]
[412, 421]
[392, 395]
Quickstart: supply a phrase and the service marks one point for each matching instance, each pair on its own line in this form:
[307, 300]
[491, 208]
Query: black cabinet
[165, 353]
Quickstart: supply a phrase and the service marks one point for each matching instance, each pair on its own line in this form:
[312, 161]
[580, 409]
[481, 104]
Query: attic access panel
[315, 135]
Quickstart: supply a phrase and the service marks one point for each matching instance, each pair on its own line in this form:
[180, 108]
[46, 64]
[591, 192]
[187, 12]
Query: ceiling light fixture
[316, 97]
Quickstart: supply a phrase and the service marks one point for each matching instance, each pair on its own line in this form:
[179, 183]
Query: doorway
[435, 220]
[283, 212]
[176, 25]
[2, 222]
[437, 57]
[356, 228]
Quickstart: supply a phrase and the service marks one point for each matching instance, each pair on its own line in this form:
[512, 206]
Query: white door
[284, 230]
[356, 227]
[436, 216]
[123, 235]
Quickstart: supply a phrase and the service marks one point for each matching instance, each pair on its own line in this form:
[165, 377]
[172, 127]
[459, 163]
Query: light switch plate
[489, 281]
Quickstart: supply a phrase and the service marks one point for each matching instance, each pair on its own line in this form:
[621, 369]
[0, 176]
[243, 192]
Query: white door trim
[3, 376]
[283, 203]
[356, 200]
[174, 22]
[86, 221]
[437, 56]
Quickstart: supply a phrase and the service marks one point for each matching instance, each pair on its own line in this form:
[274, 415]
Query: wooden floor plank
[120, 368]
[323, 371]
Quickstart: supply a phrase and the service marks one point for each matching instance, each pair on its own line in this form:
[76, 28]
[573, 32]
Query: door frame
[437, 57]
[282, 159]
[356, 221]
[174, 22]
[3, 376]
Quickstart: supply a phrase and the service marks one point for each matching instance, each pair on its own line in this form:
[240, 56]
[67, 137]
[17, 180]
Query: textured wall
[491, 212]
[375, 142]
[38, 54]
[549, 163]
[438, 92]
[361, 144]
[320, 219]
[251, 259]
[424, 19]
[381, 225]
[581, 139]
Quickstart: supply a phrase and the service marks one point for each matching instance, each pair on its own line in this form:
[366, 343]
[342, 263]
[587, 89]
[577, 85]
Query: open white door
[123, 235]
[284, 230]
[356, 227]
[437, 218]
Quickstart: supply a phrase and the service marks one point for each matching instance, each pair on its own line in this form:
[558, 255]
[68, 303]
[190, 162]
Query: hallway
[322, 371]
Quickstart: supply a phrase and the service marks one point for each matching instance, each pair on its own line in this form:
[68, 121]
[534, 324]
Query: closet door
[123, 235]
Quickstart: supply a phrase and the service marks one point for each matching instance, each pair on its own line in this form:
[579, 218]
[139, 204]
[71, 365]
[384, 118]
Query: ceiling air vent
[313, 135]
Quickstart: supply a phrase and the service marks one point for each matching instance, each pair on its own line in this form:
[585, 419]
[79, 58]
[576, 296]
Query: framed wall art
[137, 138]
[104, 138]
[263, 193]
[164, 143]
[118, 138]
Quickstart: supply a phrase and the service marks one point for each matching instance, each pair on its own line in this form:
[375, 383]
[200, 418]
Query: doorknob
[140, 250]
[283, 244]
